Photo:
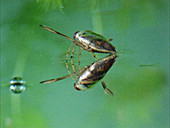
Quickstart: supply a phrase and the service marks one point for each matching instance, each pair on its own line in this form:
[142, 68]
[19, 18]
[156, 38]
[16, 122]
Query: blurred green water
[140, 30]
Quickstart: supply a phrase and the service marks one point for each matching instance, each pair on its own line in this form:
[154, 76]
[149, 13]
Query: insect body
[88, 41]
[95, 72]
[94, 42]
[91, 74]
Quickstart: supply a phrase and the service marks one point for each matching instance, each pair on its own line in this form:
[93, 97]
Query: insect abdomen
[93, 41]
[102, 45]
[96, 71]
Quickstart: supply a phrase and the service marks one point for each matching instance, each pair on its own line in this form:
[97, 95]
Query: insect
[91, 74]
[88, 41]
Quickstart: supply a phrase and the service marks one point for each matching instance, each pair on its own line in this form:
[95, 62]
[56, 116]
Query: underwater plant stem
[15, 98]
[16, 111]
[97, 20]
[20, 63]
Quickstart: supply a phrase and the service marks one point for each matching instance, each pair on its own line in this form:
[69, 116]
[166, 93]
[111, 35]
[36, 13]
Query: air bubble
[17, 85]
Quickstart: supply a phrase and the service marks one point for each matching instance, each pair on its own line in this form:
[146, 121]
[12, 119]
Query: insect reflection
[88, 76]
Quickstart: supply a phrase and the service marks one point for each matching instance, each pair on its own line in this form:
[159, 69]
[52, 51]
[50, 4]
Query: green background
[139, 78]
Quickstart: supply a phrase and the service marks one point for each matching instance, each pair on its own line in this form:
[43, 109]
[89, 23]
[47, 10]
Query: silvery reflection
[17, 85]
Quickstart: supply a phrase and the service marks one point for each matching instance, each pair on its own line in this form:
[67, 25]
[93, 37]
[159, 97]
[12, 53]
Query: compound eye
[75, 34]
[76, 87]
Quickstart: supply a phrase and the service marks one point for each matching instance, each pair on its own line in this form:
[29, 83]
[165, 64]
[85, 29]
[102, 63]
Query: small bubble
[17, 85]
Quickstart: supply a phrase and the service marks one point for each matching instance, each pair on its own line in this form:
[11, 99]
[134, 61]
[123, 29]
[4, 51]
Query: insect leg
[79, 57]
[58, 33]
[72, 62]
[94, 56]
[109, 39]
[64, 77]
[67, 58]
[106, 89]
